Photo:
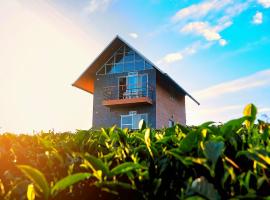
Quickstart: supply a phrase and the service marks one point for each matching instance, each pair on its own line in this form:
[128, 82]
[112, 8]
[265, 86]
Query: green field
[210, 161]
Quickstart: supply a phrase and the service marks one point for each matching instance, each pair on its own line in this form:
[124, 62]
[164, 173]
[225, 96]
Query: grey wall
[106, 117]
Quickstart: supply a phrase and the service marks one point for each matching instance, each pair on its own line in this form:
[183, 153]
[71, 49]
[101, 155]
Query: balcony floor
[128, 101]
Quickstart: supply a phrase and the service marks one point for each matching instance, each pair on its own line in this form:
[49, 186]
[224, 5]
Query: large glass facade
[124, 60]
[133, 86]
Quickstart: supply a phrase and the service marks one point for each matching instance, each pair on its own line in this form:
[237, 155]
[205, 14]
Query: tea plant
[210, 161]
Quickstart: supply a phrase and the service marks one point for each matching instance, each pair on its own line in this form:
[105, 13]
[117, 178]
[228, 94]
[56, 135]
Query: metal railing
[127, 92]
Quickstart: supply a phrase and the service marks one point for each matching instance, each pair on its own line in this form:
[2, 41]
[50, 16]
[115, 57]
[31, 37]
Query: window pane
[129, 58]
[129, 67]
[119, 58]
[118, 67]
[127, 119]
[144, 85]
[137, 118]
[148, 65]
[171, 123]
[128, 50]
[125, 60]
[144, 116]
[121, 50]
[108, 69]
[138, 58]
[127, 126]
[139, 65]
[122, 87]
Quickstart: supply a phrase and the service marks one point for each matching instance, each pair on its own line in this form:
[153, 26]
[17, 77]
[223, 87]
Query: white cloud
[257, 18]
[264, 3]
[199, 10]
[202, 29]
[195, 19]
[227, 100]
[264, 110]
[236, 8]
[223, 42]
[97, 5]
[170, 58]
[179, 55]
[133, 35]
[258, 79]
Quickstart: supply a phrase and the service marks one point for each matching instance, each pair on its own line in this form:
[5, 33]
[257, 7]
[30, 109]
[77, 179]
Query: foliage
[210, 161]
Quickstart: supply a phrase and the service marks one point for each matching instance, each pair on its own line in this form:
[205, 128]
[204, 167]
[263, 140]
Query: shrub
[210, 161]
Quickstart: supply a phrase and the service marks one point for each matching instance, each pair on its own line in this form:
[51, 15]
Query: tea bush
[210, 161]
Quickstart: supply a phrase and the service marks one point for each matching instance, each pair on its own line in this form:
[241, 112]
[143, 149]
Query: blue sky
[218, 50]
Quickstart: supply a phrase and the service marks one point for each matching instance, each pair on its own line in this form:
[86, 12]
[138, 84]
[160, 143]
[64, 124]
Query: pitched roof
[86, 79]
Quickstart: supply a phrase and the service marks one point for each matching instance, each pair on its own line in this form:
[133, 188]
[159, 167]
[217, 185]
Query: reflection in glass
[124, 60]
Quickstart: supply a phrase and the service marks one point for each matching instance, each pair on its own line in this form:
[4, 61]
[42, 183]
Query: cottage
[127, 87]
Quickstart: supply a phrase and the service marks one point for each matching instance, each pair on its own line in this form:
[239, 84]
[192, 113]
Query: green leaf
[31, 192]
[183, 159]
[206, 124]
[37, 178]
[97, 164]
[114, 185]
[213, 150]
[125, 167]
[232, 126]
[104, 133]
[202, 187]
[142, 125]
[250, 111]
[68, 181]
[139, 136]
[189, 142]
[147, 140]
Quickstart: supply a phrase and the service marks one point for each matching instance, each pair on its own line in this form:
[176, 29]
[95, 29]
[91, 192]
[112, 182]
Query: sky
[218, 50]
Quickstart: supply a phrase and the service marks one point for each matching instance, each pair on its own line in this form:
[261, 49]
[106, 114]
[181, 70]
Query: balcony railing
[127, 94]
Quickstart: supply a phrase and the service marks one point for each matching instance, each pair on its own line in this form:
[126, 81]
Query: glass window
[138, 58]
[129, 58]
[137, 118]
[109, 69]
[127, 119]
[121, 50]
[129, 67]
[129, 126]
[119, 58]
[171, 123]
[118, 68]
[122, 87]
[144, 87]
[132, 120]
[147, 65]
[124, 60]
[128, 50]
[139, 65]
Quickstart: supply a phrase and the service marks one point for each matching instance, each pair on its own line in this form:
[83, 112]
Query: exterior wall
[104, 116]
[169, 105]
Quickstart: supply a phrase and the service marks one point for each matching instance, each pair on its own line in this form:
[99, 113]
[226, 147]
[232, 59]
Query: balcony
[128, 95]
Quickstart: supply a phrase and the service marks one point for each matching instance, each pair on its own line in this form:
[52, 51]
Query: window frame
[132, 114]
[146, 64]
[130, 74]
[172, 123]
